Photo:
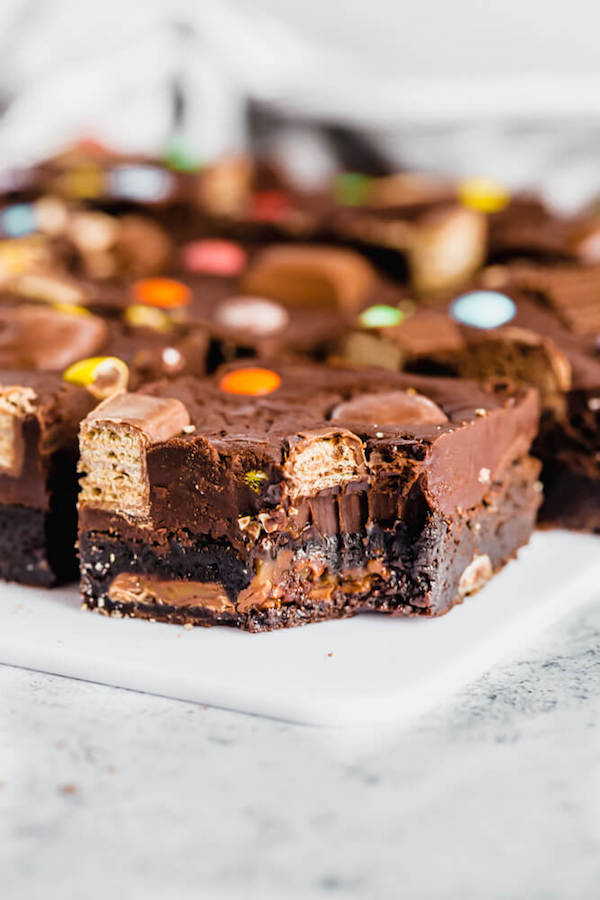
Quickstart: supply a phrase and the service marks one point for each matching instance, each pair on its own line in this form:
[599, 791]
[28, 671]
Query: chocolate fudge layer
[265, 498]
[39, 422]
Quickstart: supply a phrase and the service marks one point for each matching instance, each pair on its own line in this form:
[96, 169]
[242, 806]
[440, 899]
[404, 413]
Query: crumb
[68, 789]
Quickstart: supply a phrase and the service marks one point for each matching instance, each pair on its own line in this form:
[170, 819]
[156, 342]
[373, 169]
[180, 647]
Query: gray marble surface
[108, 793]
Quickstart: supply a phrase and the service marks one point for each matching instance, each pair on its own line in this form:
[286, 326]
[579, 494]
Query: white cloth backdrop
[504, 87]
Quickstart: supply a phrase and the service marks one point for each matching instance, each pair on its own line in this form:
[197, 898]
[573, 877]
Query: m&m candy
[103, 376]
[166, 293]
[483, 309]
[483, 194]
[352, 188]
[139, 316]
[257, 316]
[141, 183]
[180, 157]
[381, 316]
[18, 220]
[269, 206]
[85, 181]
[214, 257]
[252, 381]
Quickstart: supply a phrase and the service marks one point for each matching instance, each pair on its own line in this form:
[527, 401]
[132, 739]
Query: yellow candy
[139, 316]
[71, 309]
[103, 376]
[483, 194]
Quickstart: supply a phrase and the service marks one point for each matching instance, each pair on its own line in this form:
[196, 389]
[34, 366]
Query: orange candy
[163, 292]
[253, 381]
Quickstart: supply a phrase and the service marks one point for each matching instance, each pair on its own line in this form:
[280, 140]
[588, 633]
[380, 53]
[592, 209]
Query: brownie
[531, 324]
[39, 422]
[266, 498]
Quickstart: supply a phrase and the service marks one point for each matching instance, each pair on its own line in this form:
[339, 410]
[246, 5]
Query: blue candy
[483, 309]
[18, 220]
[144, 184]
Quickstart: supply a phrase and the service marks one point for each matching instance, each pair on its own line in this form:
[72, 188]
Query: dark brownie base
[571, 499]
[37, 547]
[411, 569]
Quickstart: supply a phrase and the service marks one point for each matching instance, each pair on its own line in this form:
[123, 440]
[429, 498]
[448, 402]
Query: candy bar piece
[39, 422]
[265, 498]
[444, 241]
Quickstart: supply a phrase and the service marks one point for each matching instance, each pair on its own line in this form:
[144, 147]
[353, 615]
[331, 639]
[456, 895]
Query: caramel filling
[130, 588]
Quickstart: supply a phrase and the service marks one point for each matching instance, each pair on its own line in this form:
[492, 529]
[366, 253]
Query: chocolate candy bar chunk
[269, 497]
[39, 422]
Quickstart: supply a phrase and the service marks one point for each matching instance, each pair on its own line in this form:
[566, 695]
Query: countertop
[109, 793]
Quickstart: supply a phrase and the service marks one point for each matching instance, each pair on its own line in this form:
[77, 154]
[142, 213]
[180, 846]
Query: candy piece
[253, 381]
[324, 459]
[19, 255]
[255, 315]
[392, 408]
[16, 402]
[311, 275]
[18, 220]
[93, 232]
[483, 194]
[85, 181]
[180, 157]
[37, 337]
[255, 479]
[143, 247]
[483, 309]
[103, 376]
[381, 316]
[223, 188]
[446, 246]
[51, 215]
[165, 293]
[269, 206]
[139, 316]
[352, 188]
[213, 257]
[113, 442]
[140, 183]
[49, 289]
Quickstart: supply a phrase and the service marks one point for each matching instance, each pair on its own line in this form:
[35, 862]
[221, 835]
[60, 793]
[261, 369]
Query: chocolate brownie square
[266, 498]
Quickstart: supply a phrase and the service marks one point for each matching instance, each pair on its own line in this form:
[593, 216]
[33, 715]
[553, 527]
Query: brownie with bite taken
[269, 497]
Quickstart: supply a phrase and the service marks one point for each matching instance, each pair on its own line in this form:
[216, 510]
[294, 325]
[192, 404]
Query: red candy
[269, 206]
[212, 257]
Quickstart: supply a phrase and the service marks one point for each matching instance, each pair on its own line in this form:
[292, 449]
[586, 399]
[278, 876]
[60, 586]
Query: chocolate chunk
[311, 275]
[393, 408]
[37, 337]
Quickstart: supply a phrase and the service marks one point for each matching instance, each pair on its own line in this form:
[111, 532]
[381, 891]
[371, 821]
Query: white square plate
[351, 672]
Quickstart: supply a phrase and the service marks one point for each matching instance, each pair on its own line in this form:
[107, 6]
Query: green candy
[381, 316]
[352, 188]
[178, 157]
[255, 479]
